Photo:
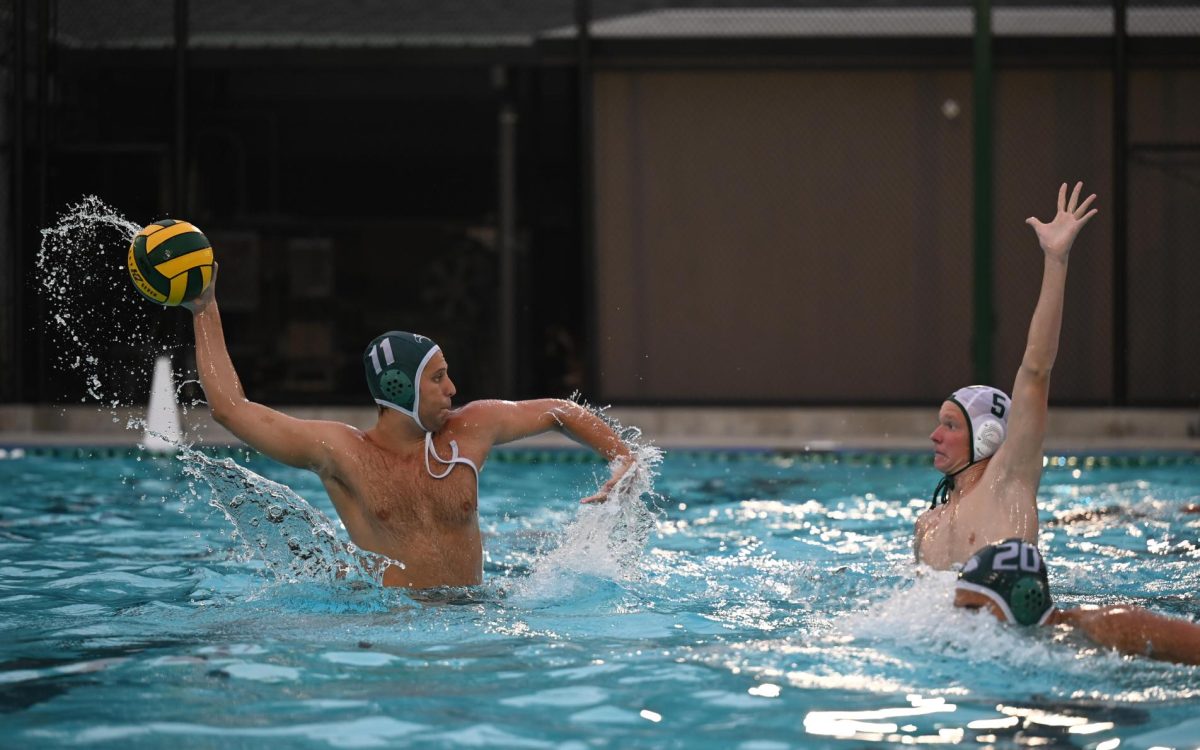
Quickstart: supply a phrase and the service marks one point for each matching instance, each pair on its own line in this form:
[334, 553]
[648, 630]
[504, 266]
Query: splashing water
[294, 540]
[604, 540]
[99, 328]
[105, 332]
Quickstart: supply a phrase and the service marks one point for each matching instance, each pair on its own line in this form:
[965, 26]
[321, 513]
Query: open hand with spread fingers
[1057, 237]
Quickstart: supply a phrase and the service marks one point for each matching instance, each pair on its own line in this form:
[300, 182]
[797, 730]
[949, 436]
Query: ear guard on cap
[986, 410]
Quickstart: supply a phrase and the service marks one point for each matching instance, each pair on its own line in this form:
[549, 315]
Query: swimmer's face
[973, 600]
[437, 391]
[950, 440]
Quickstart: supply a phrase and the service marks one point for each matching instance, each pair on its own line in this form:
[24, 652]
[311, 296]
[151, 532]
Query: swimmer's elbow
[222, 414]
[229, 413]
[1034, 370]
[562, 413]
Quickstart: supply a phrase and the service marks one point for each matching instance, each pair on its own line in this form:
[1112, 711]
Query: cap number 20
[1017, 555]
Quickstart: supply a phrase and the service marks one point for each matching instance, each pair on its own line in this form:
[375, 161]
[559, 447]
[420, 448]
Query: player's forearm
[217, 375]
[585, 427]
[1133, 630]
[1041, 348]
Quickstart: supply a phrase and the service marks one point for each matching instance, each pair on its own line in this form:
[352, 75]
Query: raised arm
[1022, 449]
[513, 420]
[1133, 630]
[291, 441]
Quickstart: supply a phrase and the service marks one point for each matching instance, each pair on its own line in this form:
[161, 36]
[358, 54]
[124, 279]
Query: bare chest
[401, 498]
[948, 535]
[945, 537]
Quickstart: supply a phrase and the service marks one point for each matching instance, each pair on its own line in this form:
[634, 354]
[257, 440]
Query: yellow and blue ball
[170, 262]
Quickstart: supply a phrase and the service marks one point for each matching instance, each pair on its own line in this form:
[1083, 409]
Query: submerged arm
[1137, 631]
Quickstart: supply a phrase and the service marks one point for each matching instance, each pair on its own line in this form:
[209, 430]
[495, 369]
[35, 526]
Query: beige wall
[806, 236]
[775, 235]
[1164, 236]
[1054, 126]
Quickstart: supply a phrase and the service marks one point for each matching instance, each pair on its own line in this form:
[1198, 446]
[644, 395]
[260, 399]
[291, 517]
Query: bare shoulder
[337, 441]
[927, 522]
[333, 430]
[1010, 473]
[475, 421]
[930, 539]
[477, 414]
[1002, 505]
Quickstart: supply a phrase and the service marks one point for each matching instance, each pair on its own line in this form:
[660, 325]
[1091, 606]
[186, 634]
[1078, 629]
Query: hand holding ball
[171, 262]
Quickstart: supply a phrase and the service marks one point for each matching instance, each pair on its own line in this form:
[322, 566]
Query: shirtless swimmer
[990, 450]
[407, 487]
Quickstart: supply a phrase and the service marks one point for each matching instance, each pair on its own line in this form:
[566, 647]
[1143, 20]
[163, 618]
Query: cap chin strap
[941, 493]
[410, 414]
[448, 463]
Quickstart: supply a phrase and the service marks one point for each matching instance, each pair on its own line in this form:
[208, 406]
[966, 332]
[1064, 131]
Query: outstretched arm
[1136, 631]
[291, 441]
[1022, 449]
[513, 420]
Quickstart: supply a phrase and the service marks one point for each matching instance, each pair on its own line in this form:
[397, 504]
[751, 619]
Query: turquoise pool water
[767, 601]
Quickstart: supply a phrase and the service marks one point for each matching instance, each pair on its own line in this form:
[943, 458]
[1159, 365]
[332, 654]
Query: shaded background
[656, 202]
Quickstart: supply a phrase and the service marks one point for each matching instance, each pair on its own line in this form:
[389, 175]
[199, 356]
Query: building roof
[713, 23]
[382, 24]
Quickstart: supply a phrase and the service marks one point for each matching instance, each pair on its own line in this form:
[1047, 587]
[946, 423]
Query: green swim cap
[1013, 575]
[394, 362]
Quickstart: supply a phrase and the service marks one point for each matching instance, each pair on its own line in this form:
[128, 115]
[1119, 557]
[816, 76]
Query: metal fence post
[984, 322]
[181, 48]
[1120, 128]
[16, 389]
[508, 244]
[587, 232]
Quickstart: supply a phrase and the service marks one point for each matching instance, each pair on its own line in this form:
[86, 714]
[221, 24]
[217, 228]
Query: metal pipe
[17, 388]
[587, 231]
[508, 246]
[179, 199]
[984, 317]
[1120, 177]
[43, 130]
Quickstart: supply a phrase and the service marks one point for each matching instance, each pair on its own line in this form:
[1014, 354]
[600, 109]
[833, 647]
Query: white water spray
[607, 539]
[275, 525]
[102, 330]
[163, 434]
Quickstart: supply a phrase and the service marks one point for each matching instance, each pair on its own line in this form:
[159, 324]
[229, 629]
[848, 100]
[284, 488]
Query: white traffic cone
[162, 433]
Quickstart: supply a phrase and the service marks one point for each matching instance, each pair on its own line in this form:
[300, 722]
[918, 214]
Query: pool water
[753, 600]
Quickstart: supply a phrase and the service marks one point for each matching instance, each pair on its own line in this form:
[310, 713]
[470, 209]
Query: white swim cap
[986, 410]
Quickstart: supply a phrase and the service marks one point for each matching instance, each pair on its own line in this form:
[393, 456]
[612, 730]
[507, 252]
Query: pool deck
[1070, 430]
